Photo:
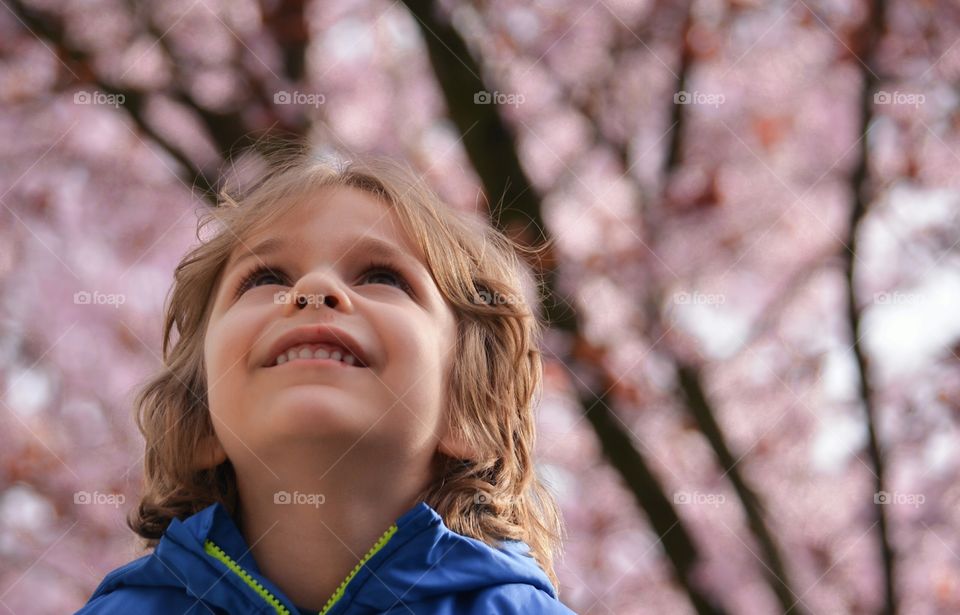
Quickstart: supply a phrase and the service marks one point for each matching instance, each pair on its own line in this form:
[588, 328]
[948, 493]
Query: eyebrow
[366, 245]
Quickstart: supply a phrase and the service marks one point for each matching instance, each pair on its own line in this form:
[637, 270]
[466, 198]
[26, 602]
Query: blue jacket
[419, 566]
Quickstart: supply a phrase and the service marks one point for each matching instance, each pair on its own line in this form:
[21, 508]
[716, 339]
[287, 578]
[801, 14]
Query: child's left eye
[387, 271]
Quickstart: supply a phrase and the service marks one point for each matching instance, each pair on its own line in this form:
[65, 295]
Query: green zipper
[211, 548]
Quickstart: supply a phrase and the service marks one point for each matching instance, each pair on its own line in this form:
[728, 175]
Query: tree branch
[870, 35]
[134, 101]
[689, 379]
[226, 129]
[492, 150]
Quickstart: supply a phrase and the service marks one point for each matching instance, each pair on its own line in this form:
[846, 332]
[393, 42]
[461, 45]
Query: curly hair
[492, 384]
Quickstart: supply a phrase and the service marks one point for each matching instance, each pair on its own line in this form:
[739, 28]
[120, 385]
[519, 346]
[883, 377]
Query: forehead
[342, 217]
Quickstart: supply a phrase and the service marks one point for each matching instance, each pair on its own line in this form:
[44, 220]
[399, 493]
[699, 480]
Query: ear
[209, 454]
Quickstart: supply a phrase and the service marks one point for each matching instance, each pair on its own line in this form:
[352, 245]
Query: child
[344, 422]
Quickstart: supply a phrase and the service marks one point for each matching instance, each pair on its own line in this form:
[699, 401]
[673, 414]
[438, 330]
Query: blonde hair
[492, 384]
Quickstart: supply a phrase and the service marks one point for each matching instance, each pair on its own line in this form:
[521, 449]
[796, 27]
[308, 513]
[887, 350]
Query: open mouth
[308, 352]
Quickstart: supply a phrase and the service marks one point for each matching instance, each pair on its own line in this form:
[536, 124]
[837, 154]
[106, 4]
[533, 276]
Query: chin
[308, 409]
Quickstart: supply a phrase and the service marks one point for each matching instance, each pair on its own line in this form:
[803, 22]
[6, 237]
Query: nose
[316, 290]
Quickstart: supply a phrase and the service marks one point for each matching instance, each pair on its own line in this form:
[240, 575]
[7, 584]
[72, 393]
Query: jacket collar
[421, 559]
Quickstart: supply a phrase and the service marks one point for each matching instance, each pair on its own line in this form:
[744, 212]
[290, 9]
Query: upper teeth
[316, 351]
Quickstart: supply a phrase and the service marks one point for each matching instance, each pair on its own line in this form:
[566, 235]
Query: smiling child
[343, 423]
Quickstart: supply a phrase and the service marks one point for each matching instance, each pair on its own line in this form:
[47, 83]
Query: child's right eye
[260, 273]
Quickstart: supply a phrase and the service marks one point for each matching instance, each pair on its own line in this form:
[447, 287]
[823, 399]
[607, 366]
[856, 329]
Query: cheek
[419, 346]
[231, 337]
[212, 364]
[214, 347]
[224, 360]
[426, 351]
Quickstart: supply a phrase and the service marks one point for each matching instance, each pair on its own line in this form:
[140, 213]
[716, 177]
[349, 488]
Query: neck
[309, 544]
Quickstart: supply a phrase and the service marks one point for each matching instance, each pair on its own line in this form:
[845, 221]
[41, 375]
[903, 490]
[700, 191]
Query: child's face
[392, 411]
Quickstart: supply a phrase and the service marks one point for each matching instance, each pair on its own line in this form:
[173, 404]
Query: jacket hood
[417, 559]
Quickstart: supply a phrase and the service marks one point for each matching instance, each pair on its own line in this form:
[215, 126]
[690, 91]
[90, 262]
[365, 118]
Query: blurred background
[752, 382]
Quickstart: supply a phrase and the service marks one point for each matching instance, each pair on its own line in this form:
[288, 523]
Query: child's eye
[375, 272]
[260, 273]
[383, 270]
